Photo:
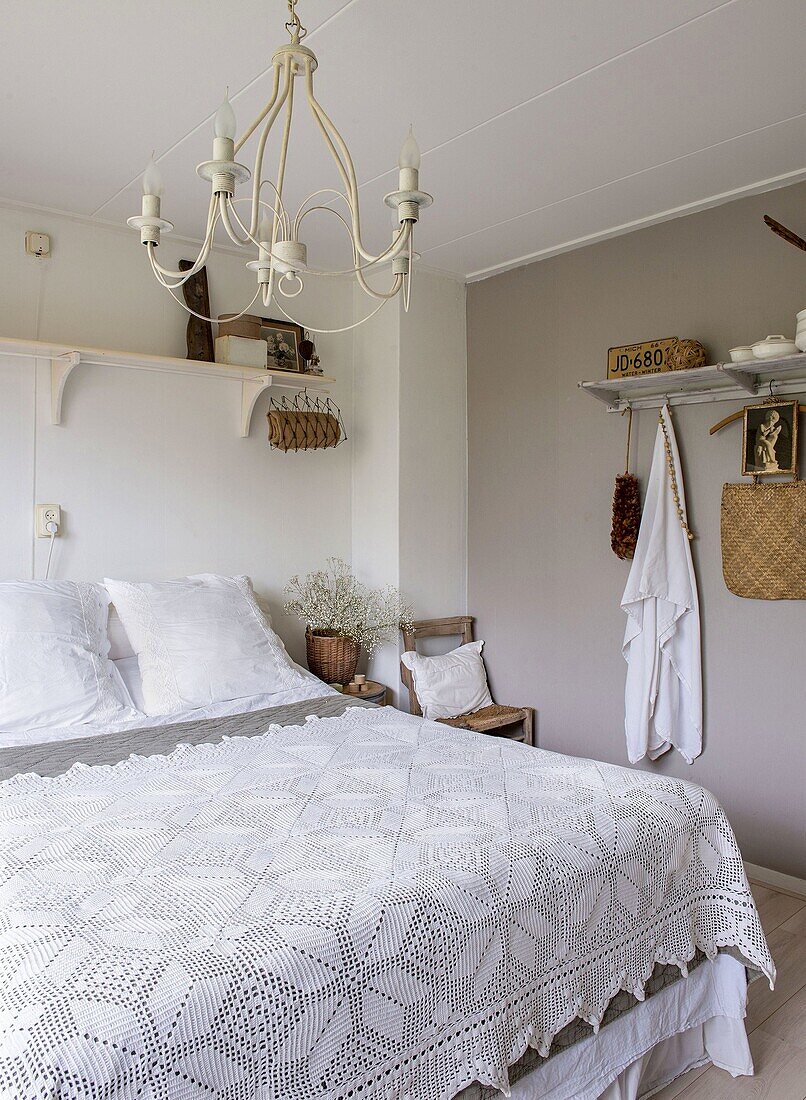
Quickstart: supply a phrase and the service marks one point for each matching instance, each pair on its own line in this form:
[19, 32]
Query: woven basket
[764, 540]
[331, 656]
[685, 354]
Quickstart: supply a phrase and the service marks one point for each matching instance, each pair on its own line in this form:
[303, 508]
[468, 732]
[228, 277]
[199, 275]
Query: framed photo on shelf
[283, 340]
[770, 439]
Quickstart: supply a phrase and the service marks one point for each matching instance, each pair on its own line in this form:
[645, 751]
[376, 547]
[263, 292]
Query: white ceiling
[543, 123]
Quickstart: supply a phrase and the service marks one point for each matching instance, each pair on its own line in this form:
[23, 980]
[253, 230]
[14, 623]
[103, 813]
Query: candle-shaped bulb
[225, 124]
[264, 230]
[152, 180]
[410, 152]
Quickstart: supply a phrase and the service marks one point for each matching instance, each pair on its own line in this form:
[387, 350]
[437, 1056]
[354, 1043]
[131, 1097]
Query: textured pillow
[452, 684]
[54, 667]
[200, 640]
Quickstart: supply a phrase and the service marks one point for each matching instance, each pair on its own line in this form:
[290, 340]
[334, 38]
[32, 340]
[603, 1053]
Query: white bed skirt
[693, 1022]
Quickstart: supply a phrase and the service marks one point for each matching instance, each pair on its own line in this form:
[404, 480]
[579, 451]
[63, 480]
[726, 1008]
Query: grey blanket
[55, 757]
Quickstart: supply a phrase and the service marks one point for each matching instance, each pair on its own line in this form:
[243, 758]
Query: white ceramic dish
[741, 354]
[801, 317]
[774, 347]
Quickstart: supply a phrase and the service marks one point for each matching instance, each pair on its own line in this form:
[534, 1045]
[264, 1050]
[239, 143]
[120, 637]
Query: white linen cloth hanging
[663, 695]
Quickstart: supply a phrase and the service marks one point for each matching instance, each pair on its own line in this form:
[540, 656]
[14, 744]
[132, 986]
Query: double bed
[328, 900]
[323, 899]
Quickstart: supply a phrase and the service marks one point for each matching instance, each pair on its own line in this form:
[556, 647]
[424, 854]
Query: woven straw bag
[764, 540]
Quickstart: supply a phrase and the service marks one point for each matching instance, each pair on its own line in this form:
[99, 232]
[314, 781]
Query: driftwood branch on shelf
[197, 297]
[786, 234]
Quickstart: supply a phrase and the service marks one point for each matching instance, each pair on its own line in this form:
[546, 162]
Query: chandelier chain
[293, 26]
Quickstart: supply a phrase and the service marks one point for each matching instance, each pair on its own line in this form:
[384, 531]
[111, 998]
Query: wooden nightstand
[375, 692]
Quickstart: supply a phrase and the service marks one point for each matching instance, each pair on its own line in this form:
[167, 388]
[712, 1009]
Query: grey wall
[542, 459]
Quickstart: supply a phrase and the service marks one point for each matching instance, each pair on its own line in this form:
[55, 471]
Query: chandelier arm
[232, 203]
[245, 136]
[181, 277]
[362, 282]
[187, 308]
[347, 168]
[201, 259]
[289, 111]
[407, 277]
[274, 111]
[346, 328]
[397, 245]
[302, 211]
[232, 233]
[286, 220]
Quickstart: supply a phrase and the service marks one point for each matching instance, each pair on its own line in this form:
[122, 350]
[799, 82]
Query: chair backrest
[455, 626]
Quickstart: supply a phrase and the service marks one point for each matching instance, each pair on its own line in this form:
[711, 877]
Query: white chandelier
[282, 255]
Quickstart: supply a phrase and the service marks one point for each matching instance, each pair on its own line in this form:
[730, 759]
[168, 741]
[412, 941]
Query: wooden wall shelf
[717, 382]
[64, 358]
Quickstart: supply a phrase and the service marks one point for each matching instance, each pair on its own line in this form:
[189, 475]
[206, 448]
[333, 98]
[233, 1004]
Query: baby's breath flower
[333, 599]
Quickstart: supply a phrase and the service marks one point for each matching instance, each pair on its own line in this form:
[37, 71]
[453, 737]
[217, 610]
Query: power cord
[52, 527]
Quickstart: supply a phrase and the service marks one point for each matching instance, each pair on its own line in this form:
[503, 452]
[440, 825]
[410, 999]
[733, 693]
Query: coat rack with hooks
[716, 382]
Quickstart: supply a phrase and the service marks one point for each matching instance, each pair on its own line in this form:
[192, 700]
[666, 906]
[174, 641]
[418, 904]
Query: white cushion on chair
[452, 684]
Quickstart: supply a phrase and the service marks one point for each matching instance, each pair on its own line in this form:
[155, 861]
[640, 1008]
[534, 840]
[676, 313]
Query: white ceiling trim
[622, 179]
[772, 184]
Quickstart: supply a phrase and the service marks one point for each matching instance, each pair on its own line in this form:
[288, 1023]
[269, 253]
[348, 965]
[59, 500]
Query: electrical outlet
[45, 514]
[37, 244]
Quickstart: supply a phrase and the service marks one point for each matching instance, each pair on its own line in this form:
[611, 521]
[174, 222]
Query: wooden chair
[515, 722]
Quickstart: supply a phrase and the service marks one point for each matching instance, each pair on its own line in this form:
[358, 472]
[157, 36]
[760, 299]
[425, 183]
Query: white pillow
[200, 640]
[129, 672]
[54, 667]
[452, 684]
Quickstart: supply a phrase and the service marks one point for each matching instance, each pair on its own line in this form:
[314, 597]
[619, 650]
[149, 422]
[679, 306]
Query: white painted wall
[150, 471]
[410, 454]
[376, 461]
[433, 447]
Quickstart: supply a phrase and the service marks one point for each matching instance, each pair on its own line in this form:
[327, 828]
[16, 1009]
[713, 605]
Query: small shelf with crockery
[64, 358]
[716, 382]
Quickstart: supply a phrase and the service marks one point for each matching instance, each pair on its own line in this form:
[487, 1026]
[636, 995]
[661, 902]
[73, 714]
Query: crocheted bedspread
[370, 905]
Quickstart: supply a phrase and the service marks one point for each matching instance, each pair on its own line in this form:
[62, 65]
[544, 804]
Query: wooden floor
[776, 1021]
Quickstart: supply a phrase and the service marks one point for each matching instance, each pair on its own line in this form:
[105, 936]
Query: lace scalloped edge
[532, 1036]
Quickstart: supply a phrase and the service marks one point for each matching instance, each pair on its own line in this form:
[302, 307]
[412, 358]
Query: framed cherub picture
[770, 439]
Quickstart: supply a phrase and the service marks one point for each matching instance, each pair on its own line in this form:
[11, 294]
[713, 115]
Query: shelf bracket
[61, 367]
[742, 378]
[250, 392]
[608, 397]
